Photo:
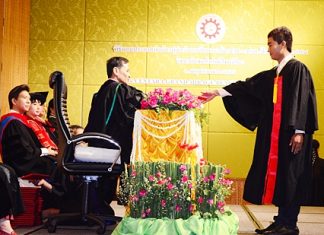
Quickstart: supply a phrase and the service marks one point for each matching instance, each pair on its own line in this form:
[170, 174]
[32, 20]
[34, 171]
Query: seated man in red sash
[19, 145]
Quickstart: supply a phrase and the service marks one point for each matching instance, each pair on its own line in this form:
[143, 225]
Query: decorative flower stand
[169, 189]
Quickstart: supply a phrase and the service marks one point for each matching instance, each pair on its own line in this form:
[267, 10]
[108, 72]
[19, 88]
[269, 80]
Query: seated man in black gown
[19, 145]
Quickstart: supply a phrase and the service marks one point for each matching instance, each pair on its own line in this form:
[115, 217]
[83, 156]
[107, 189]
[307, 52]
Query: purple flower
[225, 182]
[183, 168]
[148, 211]
[151, 178]
[134, 198]
[227, 171]
[212, 176]
[220, 206]
[206, 179]
[153, 101]
[163, 203]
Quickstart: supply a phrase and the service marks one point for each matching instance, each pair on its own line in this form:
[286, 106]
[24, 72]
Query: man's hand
[52, 152]
[296, 142]
[208, 96]
[45, 184]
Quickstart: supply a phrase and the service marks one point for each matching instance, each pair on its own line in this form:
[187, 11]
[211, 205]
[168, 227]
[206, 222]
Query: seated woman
[36, 123]
[10, 199]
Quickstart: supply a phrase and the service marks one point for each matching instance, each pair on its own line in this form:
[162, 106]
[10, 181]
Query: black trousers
[288, 215]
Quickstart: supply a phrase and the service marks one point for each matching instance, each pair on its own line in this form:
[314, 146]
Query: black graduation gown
[10, 198]
[251, 104]
[120, 125]
[21, 150]
[66, 193]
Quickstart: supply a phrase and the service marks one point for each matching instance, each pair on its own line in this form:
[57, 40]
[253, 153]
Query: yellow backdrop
[160, 40]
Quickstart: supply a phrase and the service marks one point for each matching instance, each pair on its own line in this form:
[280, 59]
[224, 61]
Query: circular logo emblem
[210, 28]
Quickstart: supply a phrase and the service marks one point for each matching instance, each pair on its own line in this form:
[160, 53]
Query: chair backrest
[67, 144]
[57, 83]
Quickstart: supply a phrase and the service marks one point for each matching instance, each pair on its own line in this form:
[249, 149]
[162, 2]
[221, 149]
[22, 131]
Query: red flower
[142, 193]
[184, 179]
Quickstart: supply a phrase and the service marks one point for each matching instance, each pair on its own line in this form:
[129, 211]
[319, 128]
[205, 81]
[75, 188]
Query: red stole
[41, 133]
[270, 179]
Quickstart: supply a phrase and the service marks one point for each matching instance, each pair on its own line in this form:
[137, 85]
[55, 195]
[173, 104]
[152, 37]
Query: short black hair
[113, 62]
[282, 34]
[14, 93]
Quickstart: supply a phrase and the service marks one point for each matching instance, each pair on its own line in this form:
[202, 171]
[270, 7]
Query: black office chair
[80, 160]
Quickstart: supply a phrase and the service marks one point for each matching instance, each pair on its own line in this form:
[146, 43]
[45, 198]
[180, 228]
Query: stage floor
[311, 221]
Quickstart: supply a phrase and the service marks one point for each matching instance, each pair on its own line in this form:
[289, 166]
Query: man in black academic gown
[19, 145]
[112, 111]
[281, 104]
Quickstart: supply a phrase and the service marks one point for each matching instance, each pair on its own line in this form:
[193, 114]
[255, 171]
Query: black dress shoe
[284, 230]
[271, 227]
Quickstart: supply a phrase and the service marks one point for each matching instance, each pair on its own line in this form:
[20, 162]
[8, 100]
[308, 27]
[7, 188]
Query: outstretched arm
[209, 95]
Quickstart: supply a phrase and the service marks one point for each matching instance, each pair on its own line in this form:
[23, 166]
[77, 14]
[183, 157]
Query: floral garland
[160, 130]
[167, 189]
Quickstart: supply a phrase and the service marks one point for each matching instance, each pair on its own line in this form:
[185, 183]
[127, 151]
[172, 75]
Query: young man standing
[19, 145]
[281, 103]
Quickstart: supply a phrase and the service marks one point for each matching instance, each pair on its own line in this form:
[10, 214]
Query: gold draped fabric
[173, 136]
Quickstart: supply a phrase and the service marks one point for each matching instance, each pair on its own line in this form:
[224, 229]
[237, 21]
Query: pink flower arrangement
[168, 189]
[170, 99]
[212, 189]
